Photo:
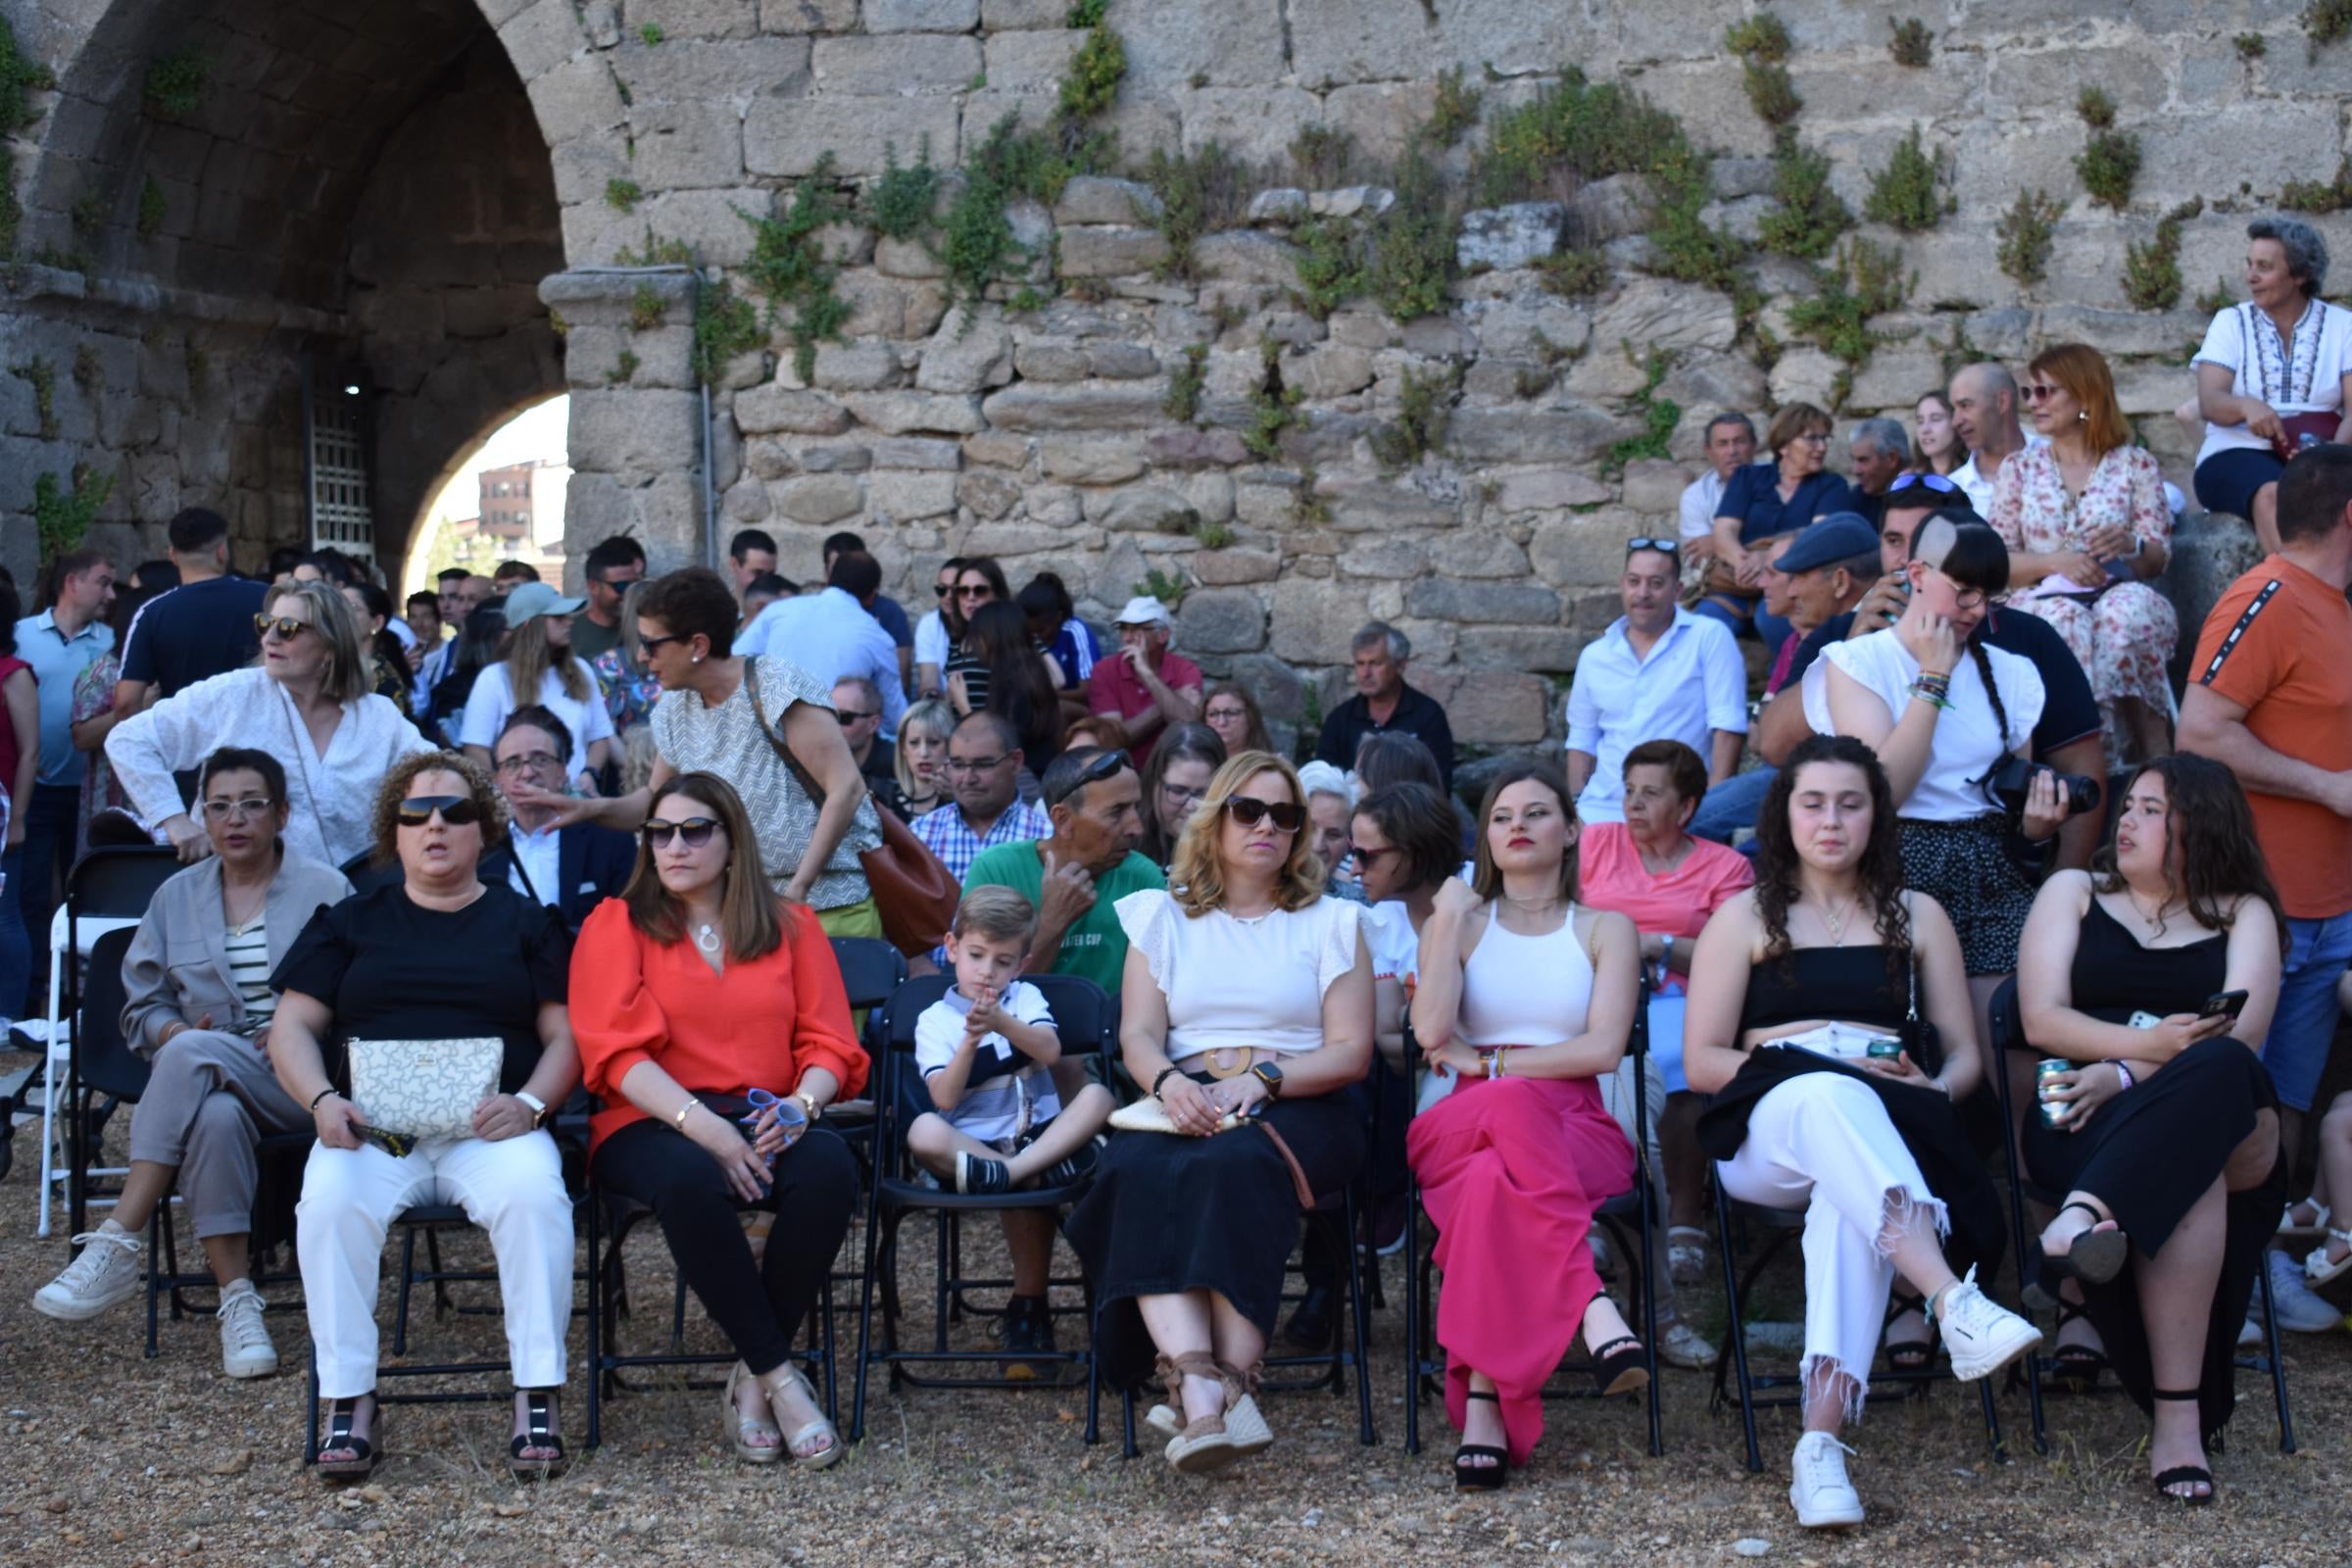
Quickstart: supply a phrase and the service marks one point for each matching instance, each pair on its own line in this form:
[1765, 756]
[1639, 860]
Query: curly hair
[395, 788]
[1881, 867]
[1196, 879]
[2214, 860]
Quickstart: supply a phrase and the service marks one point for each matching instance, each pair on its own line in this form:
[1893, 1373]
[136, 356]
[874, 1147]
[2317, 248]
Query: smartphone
[2224, 1004]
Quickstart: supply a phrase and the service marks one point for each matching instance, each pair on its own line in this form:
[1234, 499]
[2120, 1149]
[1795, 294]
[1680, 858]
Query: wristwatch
[1267, 1074]
[538, 1106]
[809, 1105]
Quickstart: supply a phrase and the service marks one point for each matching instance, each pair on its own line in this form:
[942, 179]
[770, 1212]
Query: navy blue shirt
[886, 609]
[2069, 712]
[1752, 493]
[195, 631]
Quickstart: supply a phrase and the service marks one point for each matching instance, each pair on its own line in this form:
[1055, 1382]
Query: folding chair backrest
[108, 1064]
[120, 882]
[870, 969]
[1084, 1016]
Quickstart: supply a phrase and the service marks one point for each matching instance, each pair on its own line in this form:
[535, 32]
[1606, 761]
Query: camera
[2008, 783]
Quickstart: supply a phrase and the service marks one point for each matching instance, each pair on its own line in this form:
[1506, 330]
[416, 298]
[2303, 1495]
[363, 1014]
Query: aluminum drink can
[2053, 1111]
[1885, 1050]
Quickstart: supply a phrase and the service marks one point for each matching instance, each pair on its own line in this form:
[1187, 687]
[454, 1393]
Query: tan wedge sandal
[742, 1428]
[1245, 1423]
[1201, 1444]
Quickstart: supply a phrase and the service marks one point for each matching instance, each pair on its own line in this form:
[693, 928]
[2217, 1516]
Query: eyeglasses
[1923, 481]
[1813, 438]
[235, 810]
[694, 832]
[1107, 766]
[851, 715]
[2036, 394]
[608, 581]
[1288, 817]
[1216, 714]
[976, 765]
[1180, 794]
[529, 761]
[1671, 547]
[286, 626]
[1964, 598]
[457, 811]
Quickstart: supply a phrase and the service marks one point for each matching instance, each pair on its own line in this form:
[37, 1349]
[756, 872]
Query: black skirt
[1169, 1214]
[1966, 867]
[2149, 1153]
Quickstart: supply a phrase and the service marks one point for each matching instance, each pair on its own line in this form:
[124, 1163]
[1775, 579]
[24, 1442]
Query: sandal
[823, 1458]
[1907, 1355]
[2291, 1228]
[1202, 1444]
[1245, 1423]
[1620, 1366]
[2319, 1270]
[366, 1454]
[1470, 1476]
[1685, 1254]
[2074, 1368]
[2179, 1473]
[742, 1428]
[538, 1432]
[2092, 1257]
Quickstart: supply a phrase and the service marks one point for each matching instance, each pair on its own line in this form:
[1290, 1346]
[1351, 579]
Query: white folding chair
[85, 935]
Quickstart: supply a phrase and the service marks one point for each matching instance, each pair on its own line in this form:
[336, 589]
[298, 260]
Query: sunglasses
[694, 832]
[851, 715]
[982, 592]
[1923, 481]
[457, 811]
[286, 626]
[2038, 394]
[1288, 817]
[1671, 547]
[648, 643]
[941, 590]
[1107, 766]
[1367, 859]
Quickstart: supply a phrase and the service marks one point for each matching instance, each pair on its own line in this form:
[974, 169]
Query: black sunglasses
[457, 811]
[1288, 817]
[695, 831]
[1926, 481]
[851, 715]
[1107, 766]
[1670, 547]
[648, 643]
[286, 626]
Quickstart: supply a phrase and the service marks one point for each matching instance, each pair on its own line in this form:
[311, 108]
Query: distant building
[520, 517]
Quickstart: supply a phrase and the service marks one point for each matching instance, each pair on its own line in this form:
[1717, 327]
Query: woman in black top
[439, 956]
[2168, 1147]
[1793, 981]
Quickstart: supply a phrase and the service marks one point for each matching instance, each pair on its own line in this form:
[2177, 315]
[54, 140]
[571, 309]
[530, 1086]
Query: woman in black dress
[2168, 1147]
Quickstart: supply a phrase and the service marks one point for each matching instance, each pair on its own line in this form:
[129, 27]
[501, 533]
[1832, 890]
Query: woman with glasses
[1228, 709]
[306, 704]
[1246, 1007]
[197, 1004]
[716, 1030]
[2088, 529]
[437, 955]
[1762, 501]
[1175, 781]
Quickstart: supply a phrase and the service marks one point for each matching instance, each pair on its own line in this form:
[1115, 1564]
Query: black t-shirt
[2069, 712]
[196, 630]
[1417, 713]
[392, 970]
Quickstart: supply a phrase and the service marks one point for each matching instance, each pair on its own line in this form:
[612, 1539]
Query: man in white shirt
[1731, 444]
[1985, 418]
[1659, 672]
[832, 635]
[938, 631]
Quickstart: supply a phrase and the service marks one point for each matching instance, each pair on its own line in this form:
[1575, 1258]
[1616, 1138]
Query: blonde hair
[933, 716]
[996, 912]
[528, 657]
[1197, 879]
[348, 668]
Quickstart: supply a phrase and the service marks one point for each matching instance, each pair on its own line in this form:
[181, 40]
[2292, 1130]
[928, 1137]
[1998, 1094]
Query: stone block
[1005, 539]
[687, 145]
[901, 66]
[735, 70]
[1092, 250]
[1076, 405]
[1897, 377]
[762, 410]
[1351, 201]
[1476, 552]
[1536, 329]
[1232, 567]
[808, 15]
[1256, 125]
[1655, 486]
[1001, 16]
[1196, 449]
[1056, 504]
[989, 495]
[788, 135]
[1446, 599]
[1383, 508]
[917, 451]
[1735, 178]
[1078, 460]
[2117, 333]
[1584, 549]
[1549, 649]
[1221, 620]
[1097, 199]
[836, 459]
[1122, 362]
[971, 350]
[1715, 382]
[1327, 372]
[854, 366]
[1281, 207]
[745, 502]
[1805, 375]
[1312, 619]
[921, 16]
[1519, 235]
[903, 412]
[635, 431]
[2021, 82]
[1241, 257]
[1655, 313]
[904, 497]
[1145, 508]
[907, 258]
[881, 307]
[1042, 360]
[998, 448]
[1491, 707]
[1570, 436]
[1548, 490]
[818, 498]
[1234, 43]
[1384, 556]
[1030, 62]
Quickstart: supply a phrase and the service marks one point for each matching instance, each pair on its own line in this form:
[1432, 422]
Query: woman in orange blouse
[693, 988]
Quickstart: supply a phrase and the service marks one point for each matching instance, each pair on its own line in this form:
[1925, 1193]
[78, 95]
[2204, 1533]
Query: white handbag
[423, 1087]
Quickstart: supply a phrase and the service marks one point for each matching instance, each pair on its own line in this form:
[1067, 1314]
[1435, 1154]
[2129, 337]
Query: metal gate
[338, 452]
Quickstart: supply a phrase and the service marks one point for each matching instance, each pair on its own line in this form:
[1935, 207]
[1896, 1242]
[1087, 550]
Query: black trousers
[758, 1306]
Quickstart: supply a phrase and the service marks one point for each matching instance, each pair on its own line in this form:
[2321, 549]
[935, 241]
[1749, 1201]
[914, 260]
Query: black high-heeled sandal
[1469, 1477]
[2182, 1472]
[2092, 1257]
[366, 1454]
[1906, 1355]
[2074, 1368]
[538, 1433]
[1620, 1366]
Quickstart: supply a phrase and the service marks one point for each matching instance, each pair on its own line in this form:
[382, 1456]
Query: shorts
[2227, 480]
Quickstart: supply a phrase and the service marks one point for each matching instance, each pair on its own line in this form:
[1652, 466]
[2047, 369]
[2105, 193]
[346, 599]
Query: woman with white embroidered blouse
[306, 704]
[1246, 1007]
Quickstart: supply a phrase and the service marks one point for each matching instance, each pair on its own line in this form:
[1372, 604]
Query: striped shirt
[249, 967]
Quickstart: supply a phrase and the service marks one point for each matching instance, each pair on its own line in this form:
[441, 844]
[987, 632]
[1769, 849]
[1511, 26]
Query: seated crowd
[1851, 954]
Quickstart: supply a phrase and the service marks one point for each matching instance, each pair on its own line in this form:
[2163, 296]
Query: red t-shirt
[2278, 644]
[1113, 688]
[1610, 875]
[10, 751]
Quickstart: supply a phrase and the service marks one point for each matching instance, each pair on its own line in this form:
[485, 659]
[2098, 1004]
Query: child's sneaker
[1075, 1166]
[1029, 1330]
[979, 1174]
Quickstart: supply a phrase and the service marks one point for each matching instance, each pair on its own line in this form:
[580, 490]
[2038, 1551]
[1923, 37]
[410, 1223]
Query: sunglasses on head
[1288, 817]
[1923, 481]
[457, 811]
[694, 832]
[1107, 766]
[1670, 547]
[286, 626]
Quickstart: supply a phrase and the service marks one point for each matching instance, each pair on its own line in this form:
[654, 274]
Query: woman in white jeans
[439, 956]
[1793, 982]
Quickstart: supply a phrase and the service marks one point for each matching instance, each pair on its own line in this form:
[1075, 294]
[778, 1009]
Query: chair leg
[407, 1275]
[1737, 1331]
[1413, 1319]
[1127, 1446]
[2269, 1331]
[1361, 1355]
[1650, 1313]
[596, 1322]
[310, 1405]
[1993, 1422]
[158, 1267]
[1094, 1370]
[865, 1318]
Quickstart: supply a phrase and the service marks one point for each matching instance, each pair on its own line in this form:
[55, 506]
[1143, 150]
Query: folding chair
[2008, 1024]
[1084, 1021]
[1424, 1370]
[108, 890]
[281, 1157]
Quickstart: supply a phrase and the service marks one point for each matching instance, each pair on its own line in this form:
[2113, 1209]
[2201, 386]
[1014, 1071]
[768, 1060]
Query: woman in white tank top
[1529, 999]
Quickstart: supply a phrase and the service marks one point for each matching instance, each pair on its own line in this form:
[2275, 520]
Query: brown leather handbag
[912, 890]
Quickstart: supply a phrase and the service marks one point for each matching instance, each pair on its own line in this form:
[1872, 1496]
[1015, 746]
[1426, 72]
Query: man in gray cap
[1145, 687]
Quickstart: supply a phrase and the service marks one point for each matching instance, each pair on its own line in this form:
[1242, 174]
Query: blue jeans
[1772, 630]
[16, 952]
[1732, 804]
[50, 828]
[2304, 1027]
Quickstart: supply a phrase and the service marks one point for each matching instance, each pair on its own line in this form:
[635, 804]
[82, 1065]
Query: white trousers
[513, 1188]
[1823, 1143]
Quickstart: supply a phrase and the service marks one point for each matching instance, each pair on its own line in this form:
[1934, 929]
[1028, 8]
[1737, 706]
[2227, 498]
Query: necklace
[2155, 917]
[706, 939]
[1835, 920]
[236, 926]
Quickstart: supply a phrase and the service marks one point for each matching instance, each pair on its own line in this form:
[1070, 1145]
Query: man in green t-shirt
[1074, 877]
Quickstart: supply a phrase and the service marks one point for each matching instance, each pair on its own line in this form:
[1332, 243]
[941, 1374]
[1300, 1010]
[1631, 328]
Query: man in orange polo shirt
[2270, 698]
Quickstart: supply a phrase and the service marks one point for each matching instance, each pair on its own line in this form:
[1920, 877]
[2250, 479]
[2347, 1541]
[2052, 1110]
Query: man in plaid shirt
[984, 770]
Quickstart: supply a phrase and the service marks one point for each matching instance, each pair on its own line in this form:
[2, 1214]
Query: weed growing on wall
[2152, 271]
[1910, 193]
[61, 516]
[1424, 408]
[175, 82]
[2025, 234]
[1913, 45]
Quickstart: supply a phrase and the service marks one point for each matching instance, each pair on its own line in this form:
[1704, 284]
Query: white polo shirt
[1979, 486]
[1693, 682]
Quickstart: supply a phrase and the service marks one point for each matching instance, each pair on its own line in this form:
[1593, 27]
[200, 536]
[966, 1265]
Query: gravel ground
[107, 1458]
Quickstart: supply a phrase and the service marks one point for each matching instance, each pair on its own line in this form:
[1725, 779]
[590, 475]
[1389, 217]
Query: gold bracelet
[687, 1109]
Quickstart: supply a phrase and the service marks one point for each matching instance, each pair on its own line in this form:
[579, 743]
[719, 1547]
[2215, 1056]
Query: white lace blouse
[1232, 982]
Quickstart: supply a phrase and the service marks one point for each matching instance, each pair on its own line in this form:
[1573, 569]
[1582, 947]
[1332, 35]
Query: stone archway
[219, 192]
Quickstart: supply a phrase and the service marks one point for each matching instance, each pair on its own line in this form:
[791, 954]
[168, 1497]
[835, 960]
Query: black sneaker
[1311, 1325]
[1075, 1166]
[977, 1173]
[1028, 1329]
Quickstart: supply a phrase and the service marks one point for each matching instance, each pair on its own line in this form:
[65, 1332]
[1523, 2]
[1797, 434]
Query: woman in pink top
[1651, 870]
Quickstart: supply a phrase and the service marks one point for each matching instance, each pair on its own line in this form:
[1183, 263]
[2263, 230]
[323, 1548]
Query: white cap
[1143, 610]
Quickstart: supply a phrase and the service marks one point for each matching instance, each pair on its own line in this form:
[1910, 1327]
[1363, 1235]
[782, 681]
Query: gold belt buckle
[1229, 1062]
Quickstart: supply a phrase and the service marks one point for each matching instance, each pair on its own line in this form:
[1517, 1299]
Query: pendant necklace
[706, 939]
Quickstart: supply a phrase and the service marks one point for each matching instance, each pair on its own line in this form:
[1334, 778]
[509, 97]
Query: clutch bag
[423, 1087]
[1149, 1116]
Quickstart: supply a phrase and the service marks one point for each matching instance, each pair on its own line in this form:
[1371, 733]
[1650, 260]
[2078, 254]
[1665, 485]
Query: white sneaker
[2249, 1334]
[1818, 1490]
[245, 1348]
[106, 1272]
[2299, 1307]
[1980, 1335]
[1681, 1345]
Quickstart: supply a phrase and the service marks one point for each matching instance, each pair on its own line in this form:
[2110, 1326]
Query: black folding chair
[1424, 1370]
[1084, 1019]
[2008, 1025]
